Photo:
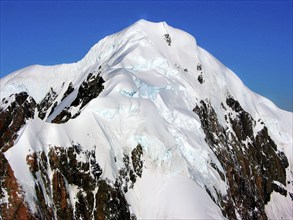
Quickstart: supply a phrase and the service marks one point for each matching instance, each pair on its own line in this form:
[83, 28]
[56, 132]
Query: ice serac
[148, 125]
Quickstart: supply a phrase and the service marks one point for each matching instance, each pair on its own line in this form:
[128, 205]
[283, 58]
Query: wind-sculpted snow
[154, 124]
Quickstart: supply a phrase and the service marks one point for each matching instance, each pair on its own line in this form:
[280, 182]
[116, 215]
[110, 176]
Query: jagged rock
[84, 205]
[137, 162]
[12, 205]
[167, 38]
[88, 90]
[46, 103]
[129, 173]
[107, 203]
[14, 117]
[110, 203]
[199, 67]
[61, 197]
[243, 124]
[75, 172]
[250, 169]
[69, 90]
[200, 79]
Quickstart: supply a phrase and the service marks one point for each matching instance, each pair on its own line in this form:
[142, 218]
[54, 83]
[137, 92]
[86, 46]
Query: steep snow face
[154, 77]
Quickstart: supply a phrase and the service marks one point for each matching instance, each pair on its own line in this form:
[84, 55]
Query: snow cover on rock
[149, 93]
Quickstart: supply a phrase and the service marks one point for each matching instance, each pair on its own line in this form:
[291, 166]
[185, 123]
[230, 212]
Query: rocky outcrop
[12, 204]
[69, 90]
[47, 103]
[110, 203]
[133, 166]
[75, 189]
[136, 157]
[13, 117]
[90, 88]
[251, 162]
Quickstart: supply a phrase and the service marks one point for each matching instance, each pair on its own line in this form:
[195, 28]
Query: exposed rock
[14, 117]
[252, 164]
[61, 197]
[69, 90]
[167, 38]
[84, 205]
[110, 203]
[243, 124]
[137, 162]
[95, 198]
[131, 171]
[200, 79]
[88, 90]
[12, 204]
[76, 172]
[199, 67]
[46, 103]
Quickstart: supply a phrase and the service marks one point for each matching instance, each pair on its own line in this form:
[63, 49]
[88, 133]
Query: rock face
[89, 89]
[95, 198]
[13, 117]
[252, 162]
[12, 204]
[146, 116]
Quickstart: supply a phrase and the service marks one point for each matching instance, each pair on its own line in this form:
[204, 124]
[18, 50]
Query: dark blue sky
[253, 38]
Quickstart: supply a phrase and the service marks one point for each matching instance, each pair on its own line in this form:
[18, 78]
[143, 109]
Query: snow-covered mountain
[147, 125]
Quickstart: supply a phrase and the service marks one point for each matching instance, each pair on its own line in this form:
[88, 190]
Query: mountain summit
[148, 125]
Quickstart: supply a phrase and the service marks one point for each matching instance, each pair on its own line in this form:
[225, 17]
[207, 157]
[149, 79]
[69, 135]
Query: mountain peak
[144, 22]
[146, 115]
[143, 34]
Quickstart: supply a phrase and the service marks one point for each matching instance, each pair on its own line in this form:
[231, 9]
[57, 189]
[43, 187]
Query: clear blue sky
[253, 38]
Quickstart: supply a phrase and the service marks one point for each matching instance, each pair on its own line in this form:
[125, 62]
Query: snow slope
[149, 93]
